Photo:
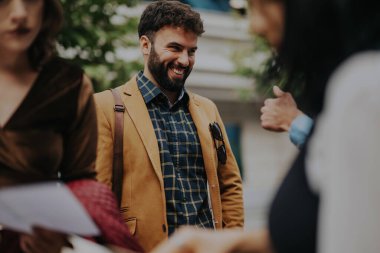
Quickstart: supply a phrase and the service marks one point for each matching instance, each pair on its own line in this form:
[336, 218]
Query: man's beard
[160, 73]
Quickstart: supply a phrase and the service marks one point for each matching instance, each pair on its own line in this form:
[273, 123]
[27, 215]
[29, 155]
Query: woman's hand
[43, 241]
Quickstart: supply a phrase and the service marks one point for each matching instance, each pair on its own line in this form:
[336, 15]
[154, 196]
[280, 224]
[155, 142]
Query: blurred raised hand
[278, 113]
[193, 240]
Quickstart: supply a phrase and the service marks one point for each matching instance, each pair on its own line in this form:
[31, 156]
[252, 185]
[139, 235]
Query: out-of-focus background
[102, 37]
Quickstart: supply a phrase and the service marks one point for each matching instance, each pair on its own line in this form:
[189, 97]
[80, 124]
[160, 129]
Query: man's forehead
[176, 35]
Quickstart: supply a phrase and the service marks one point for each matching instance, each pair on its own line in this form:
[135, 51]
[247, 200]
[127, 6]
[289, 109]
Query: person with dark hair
[48, 127]
[178, 165]
[328, 201]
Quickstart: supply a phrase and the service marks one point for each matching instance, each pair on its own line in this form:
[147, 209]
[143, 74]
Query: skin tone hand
[42, 241]
[193, 240]
[279, 112]
[115, 249]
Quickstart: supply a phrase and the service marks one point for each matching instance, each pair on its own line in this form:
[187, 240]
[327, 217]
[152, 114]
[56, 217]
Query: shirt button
[184, 199]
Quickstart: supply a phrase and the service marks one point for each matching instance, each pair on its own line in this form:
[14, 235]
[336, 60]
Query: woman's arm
[350, 157]
[81, 139]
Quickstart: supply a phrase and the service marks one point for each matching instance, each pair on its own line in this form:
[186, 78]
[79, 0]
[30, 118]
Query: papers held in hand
[48, 205]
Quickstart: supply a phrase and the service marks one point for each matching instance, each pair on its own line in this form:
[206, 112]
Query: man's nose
[183, 58]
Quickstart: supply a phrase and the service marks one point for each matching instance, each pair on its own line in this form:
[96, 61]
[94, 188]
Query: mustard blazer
[143, 199]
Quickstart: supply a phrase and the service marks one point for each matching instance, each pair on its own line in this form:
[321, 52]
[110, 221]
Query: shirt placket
[180, 194]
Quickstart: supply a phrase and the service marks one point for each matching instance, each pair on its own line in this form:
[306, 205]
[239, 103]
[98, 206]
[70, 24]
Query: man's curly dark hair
[169, 13]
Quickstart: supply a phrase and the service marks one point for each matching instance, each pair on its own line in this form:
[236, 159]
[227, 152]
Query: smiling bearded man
[160, 71]
[176, 172]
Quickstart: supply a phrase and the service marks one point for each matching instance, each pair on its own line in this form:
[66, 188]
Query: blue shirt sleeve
[300, 129]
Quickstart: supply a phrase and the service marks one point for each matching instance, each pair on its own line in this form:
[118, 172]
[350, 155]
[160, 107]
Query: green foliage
[93, 30]
[258, 62]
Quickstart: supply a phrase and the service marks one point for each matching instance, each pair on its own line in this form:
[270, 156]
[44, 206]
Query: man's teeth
[178, 71]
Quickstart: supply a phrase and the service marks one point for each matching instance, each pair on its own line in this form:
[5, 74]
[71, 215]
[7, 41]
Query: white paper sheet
[49, 205]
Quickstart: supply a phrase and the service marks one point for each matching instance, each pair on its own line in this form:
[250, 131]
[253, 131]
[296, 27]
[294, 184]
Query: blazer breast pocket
[131, 223]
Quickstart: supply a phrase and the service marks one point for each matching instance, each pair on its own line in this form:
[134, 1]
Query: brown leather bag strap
[117, 167]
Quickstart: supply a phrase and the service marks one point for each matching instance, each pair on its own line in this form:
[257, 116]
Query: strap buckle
[119, 108]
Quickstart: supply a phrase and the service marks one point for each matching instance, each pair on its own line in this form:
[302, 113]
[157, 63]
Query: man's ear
[145, 45]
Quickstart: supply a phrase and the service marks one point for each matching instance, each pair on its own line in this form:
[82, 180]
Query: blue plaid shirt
[181, 157]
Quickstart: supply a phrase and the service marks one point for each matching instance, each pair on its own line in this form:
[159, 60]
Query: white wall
[266, 157]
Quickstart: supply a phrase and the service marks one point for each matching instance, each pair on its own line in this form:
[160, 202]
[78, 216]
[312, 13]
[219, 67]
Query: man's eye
[175, 48]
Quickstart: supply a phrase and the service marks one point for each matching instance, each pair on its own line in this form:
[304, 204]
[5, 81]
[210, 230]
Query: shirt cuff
[300, 129]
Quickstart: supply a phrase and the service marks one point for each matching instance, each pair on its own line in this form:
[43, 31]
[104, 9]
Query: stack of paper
[48, 205]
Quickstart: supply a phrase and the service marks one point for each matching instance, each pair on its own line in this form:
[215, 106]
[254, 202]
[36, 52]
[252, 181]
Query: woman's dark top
[293, 214]
[51, 135]
[53, 131]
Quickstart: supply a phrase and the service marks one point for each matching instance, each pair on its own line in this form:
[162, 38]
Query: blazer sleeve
[230, 184]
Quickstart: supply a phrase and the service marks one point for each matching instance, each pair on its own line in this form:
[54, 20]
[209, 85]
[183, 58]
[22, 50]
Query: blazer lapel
[136, 108]
[202, 122]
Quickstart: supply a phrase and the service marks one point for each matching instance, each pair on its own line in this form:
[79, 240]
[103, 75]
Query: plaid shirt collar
[150, 91]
